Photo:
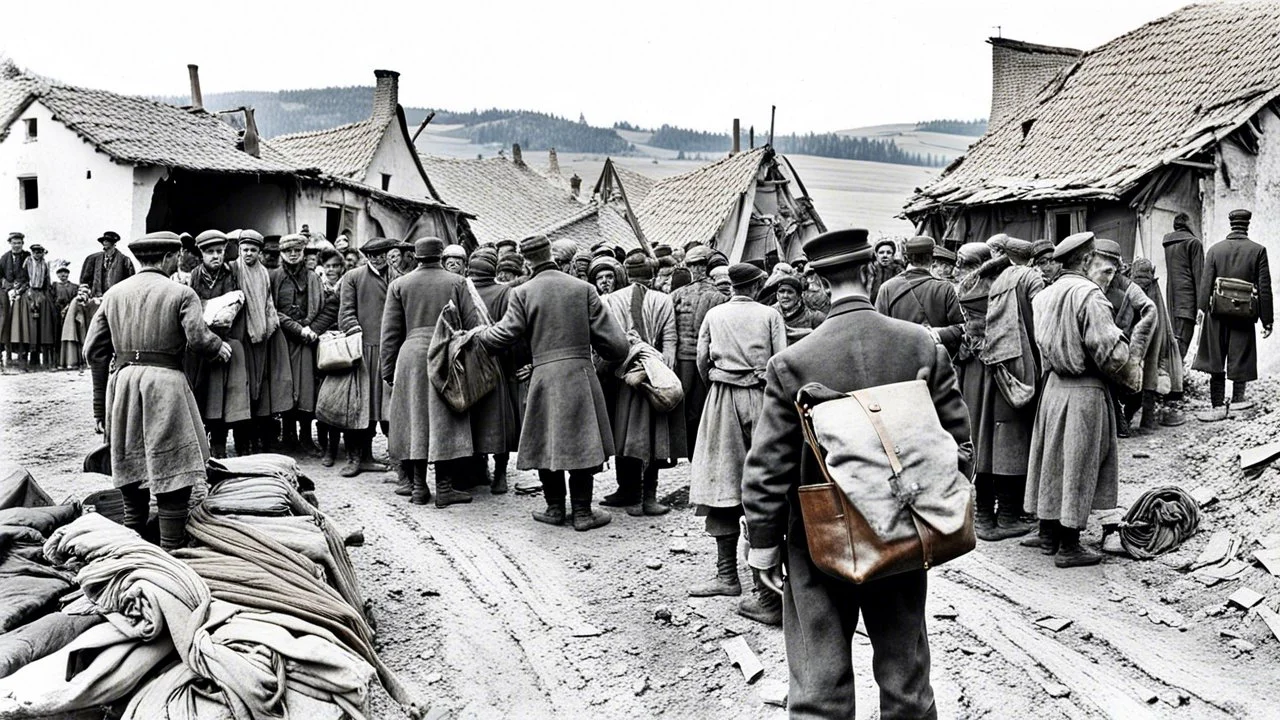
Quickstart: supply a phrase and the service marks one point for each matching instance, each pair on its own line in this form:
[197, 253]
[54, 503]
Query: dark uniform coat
[855, 348]
[152, 420]
[301, 304]
[640, 431]
[362, 294]
[496, 297]
[221, 389]
[13, 274]
[1230, 342]
[882, 273]
[691, 304]
[101, 271]
[918, 297]
[566, 423]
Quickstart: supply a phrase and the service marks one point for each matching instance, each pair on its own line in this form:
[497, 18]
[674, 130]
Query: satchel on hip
[1234, 299]
[893, 498]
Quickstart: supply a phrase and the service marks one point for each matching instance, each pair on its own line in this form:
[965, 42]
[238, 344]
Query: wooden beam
[1195, 164]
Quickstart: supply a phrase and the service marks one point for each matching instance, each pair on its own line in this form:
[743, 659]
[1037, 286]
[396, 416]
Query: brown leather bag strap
[922, 530]
[872, 409]
[811, 439]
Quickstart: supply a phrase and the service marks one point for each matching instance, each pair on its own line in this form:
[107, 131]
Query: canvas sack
[893, 498]
[337, 352]
[343, 400]
[461, 370]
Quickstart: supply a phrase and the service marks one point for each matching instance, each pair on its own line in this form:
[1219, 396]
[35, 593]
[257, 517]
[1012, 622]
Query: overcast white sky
[696, 63]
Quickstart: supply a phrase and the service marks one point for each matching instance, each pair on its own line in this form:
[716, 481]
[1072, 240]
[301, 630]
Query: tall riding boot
[404, 478]
[499, 484]
[421, 494]
[1009, 522]
[762, 605]
[305, 443]
[217, 439]
[289, 436]
[1149, 421]
[726, 580]
[1071, 553]
[268, 434]
[445, 494]
[354, 441]
[1046, 540]
[553, 491]
[648, 504]
[628, 493]
[1217, 399]
[984, 513]
[1238, 399]
[584, 516]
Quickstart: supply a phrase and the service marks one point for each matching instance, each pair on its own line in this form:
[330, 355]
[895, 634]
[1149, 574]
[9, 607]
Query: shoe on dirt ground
[1215, 414]
[1076, 556]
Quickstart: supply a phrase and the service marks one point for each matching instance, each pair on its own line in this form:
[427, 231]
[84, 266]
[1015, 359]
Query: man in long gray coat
[362, 294]
[1073, 464]
[1231, 342]
[566, 425]
[1184, 263]
[692, 302]
[855, 348]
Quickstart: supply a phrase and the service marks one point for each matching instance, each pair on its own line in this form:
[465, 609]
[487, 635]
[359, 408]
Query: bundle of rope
[1160, 521]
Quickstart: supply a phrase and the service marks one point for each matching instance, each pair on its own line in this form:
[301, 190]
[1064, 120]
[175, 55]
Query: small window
[386, 182]
[32, 129]
[28, 193]
[1064, 221]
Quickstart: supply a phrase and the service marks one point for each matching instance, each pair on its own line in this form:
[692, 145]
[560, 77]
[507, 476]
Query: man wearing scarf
[266, 351]
[221, 389]
[799, 318]
[1162, 371]
[13, 282]
[101, 270]
[305, 313]
[495, 296]
[42, 312]
[1229, 342]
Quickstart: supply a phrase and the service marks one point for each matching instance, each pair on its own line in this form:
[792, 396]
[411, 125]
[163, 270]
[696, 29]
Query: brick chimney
[386, 95]
[197, 100]
[553, 162]
[1018, 71]
[517, 158]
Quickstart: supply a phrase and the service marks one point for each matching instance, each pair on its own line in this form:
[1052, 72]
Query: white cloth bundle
[221, 311]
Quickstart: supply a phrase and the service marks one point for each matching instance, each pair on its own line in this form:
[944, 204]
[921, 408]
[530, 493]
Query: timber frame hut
[1179, 115]
[745, 206]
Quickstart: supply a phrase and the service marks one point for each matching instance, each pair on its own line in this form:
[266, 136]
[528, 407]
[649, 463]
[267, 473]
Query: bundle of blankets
[261, 618]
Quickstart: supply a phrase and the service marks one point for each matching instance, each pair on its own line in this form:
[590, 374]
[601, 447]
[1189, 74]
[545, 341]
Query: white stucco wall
[396, 158]
[82, 192]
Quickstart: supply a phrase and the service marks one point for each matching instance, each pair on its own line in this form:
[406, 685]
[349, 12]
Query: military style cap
[483, 264]
[919, 244]
[291, 242]
[638, 266]
[209, 238]
[455, 251]
[251, 237]
[378, 246]
[156, 243]
[1239, 220]
[839, 248]
[944, 254]
[698, 254]
[110, 236]
[1110, 248]
[1072, 243]
[17, 236]
[1041, 247]
[428, 248]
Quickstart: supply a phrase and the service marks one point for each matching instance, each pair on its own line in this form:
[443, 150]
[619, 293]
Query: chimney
[517, 158]
[386, 95]
[250, 139]
[1018, 71]
[553, 163]
[751, 137]
[197, 100]
[737, 141]
[575, 185]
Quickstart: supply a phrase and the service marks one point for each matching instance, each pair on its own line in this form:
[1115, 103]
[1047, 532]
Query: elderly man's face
[292, 256]
[884, 254]
[378, 261]
[1102, 271]
[393, 256]
[787, 297]
[605, 281]
[455, 266]
[250, 253]
[212, 256]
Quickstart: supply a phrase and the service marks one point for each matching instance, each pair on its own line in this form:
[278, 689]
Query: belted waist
[581, 352]
[421, 332]
[172, 361]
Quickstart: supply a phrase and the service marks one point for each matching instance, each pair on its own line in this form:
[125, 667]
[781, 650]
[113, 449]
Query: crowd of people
[1038, 356]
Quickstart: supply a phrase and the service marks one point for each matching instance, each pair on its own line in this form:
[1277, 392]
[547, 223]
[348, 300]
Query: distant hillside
[974, 128]
[830, 145]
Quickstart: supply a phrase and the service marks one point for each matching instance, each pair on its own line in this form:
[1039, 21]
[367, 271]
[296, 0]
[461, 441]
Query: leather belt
[582, 352]
[171, 361]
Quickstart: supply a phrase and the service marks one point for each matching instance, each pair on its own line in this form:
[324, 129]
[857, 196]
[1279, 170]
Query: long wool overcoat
[301, 303]
[221, 389]
[152, 420]
[1228, 342]
[362, 293]
[496, 297]
[566, 425]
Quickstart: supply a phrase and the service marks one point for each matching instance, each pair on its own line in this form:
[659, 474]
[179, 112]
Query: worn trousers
[819, 615]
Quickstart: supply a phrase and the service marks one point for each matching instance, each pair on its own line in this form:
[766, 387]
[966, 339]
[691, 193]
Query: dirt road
[489, 614]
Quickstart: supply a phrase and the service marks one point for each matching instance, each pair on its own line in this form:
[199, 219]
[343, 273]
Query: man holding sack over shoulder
[856, 349]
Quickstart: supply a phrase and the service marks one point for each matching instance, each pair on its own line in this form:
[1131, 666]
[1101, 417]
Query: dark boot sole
[764, 618]
[647, 511]
[722, 591]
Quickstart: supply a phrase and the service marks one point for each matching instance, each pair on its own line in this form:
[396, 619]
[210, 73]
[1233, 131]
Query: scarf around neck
[37, 273]
[260, 311]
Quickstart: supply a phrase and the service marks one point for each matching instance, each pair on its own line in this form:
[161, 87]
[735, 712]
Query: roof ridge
[313, 133]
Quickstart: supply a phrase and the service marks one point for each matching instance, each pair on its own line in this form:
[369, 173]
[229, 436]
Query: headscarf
[37, 272]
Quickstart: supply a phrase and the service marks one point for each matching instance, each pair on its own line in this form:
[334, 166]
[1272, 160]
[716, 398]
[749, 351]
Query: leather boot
[726, 580]
[421, 491]
[585, 517]
[762, 605]
[305, 443]
[404, 478]
[1172, 415]
[1238, 399]
[1009, 522]
[1046, 540]
[627, 494]
[352, 468]
[648, 504]
[499, 484]
[445, 494]
[984, 512]
[553, 491]
[289, 437]
[268, 434]
[331, 449]
[366, 460]
[1072, 554]
[243, 435]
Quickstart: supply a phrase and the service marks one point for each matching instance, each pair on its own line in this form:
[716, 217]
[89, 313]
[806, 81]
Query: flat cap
[697, 255]
[880, 242]
[209, 238]
[428, 248]
[156, 243]
[742, 274]
[838, 248]
[790, 281]
[1239, 215]
[292, 242]
[638, 266]
[944, 254]
[378, 246]
[36, 247]
[16, 236]
[718, 260]
[535, 244]
[483, 264]
[1071, 243]
[920, 244]
[251, 237]
[110, 236]
[454, 251]
[1110, 248]
[1041, 247]
[1018, 248]
[661, 251]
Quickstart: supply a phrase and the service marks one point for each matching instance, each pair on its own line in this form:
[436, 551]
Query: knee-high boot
[584, 516]
[553, 491]
[726, 580]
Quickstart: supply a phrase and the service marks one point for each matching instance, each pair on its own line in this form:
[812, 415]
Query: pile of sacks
[261, 618]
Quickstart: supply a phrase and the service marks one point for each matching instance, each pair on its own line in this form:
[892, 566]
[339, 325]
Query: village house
[1179, 115]
[81, 161]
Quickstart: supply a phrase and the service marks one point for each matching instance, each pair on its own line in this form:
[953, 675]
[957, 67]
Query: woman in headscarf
[42, 312]
[1162, 373]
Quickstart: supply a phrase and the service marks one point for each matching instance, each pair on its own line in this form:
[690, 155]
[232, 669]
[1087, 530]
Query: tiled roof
[139, 131]
[636, 184]
[1165, 91]
[595, 223]
[510, 201]
[345, 151]
[694, 205]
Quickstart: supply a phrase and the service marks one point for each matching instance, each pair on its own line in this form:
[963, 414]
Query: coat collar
[850, 304]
